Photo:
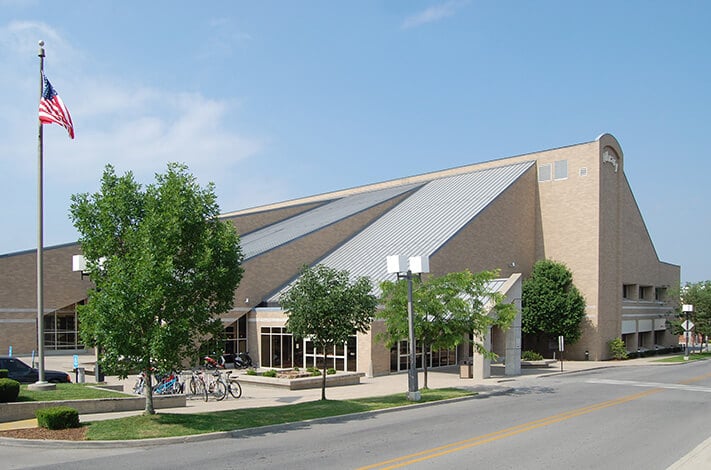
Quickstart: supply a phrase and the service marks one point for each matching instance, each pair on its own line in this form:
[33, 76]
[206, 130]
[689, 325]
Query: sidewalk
[257, 396]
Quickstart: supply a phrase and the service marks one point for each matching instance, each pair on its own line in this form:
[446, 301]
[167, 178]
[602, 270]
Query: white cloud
[19, 40]
[221, 40]
[432, 14]
[131, 126]
[157, 127]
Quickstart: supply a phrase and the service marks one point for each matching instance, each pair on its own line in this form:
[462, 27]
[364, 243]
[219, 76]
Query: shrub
[57, 417]
[331, 371]
[251, 372]
[270, 373]
[9, 390]
[313, 371]
[530, 356]
[3, 373]
[618, 349]
[296, 369]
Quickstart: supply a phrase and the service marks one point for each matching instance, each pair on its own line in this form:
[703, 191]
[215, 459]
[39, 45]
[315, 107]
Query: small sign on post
[76, 361]
[561, 348]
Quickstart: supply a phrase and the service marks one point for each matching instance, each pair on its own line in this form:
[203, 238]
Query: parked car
[18, 370]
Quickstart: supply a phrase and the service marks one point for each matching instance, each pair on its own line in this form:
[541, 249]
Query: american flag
[52, 109]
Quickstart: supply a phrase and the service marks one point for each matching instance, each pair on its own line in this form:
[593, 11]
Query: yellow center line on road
[512, 431]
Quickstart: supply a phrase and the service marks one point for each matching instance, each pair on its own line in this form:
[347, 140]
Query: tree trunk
[323, 378]
[148, 390]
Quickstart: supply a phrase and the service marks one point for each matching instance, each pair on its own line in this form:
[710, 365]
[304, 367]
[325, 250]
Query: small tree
[446, 310]
[698, 294]
[551, 304]
[164, 266]
[618, 349]
[326, 307]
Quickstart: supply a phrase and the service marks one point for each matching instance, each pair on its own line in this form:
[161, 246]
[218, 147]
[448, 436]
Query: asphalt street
[638, 416]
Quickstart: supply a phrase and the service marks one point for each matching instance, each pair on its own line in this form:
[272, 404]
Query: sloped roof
[422, 223]
[278, 234]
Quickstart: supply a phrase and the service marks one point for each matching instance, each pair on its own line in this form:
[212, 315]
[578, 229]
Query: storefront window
[400, 357]
[61, 330]
[280, 351]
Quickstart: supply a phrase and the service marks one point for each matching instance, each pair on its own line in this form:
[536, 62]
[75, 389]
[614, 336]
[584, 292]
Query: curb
[579, 371]
[49, 443]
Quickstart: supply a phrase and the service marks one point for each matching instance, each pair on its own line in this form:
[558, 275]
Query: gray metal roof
[275, 235]
[422, 223]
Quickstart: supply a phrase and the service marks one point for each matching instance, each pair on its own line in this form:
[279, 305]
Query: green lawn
[692, 357]
[68, 392]
[169, 425]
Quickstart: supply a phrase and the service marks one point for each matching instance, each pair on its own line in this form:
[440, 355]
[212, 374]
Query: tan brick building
[571, 204]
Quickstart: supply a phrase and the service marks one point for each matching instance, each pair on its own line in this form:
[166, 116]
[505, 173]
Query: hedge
[57, 417]
[9, 390]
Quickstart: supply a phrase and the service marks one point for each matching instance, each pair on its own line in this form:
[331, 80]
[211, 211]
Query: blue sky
[277, 100]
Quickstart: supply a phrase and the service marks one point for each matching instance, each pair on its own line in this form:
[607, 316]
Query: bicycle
[229, 383]
[168, 385]
[140, 384]
[233, 385]
[196, 385]
[215, 386]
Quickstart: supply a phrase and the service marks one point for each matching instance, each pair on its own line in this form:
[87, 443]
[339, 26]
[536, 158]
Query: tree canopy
[446, 310]
[551, 304]
[698, 294]
[163, 265]
[325, 306]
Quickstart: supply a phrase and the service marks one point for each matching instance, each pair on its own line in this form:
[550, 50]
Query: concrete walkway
[257, 396]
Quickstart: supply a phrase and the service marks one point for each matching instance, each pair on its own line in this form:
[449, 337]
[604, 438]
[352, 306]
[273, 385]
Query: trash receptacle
[98, 373]
[465, 370]
[81, 375]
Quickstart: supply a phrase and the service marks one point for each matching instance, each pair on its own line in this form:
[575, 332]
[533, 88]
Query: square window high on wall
[629, 291]
[660, 294]
[560, 169]
[544, 172]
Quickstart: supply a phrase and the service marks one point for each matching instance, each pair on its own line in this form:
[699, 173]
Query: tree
[698, 294]
[446, 310]
[326, 307]
[163, 265]
[551, 304]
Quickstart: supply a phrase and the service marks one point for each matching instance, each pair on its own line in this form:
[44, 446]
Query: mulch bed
[71, 434]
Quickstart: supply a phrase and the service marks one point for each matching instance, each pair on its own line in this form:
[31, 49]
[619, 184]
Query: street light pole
[404, 269]
[413, 394]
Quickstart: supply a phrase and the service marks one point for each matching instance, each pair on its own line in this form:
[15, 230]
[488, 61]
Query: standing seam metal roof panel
[282, 232]
[422, 223]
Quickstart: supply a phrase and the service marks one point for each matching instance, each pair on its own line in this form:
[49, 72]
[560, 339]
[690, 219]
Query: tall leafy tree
[551, 304]
[325, 306]
[698, 294]
[446, 310]
[164, 267]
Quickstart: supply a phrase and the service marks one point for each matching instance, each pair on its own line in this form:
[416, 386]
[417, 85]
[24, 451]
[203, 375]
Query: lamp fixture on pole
[405, 268]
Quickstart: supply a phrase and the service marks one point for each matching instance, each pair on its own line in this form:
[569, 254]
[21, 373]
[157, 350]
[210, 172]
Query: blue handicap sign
[76, 361]
[9, 353]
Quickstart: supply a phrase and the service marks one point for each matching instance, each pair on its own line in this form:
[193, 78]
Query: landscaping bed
[291, 380]
[17, 411]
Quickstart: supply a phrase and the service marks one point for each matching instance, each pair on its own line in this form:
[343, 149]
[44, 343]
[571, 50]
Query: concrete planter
[336, 380]
[542, 363]
[26, 410]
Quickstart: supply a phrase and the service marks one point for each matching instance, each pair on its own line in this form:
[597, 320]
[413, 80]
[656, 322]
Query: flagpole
[40, 242]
